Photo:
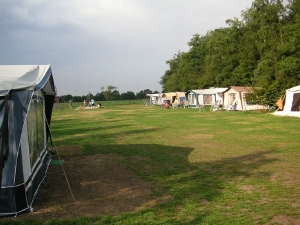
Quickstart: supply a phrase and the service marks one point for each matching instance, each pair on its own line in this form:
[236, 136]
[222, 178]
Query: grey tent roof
[209, 91]
[14, 77]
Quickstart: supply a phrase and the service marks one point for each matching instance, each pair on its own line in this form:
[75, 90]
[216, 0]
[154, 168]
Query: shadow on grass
[182, 192]
[95, 133]
[179, 184]
[175, 183]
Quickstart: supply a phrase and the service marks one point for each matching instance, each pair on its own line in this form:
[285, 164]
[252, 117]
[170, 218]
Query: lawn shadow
[134, 178]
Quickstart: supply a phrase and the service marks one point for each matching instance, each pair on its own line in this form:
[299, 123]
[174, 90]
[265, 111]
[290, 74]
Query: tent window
[207, 99]
[181, 99]
[231, 98]
[36, 129]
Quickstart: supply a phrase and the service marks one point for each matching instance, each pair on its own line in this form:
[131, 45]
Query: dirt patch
[69, 150]
[286, 178]
[101, 185]
[246, 188]
[284, 220]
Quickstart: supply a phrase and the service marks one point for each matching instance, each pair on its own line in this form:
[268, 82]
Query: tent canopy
[152, 95]
[294, 89]
[180, 94]
[16, 77]
[209, 91]
[168, 95]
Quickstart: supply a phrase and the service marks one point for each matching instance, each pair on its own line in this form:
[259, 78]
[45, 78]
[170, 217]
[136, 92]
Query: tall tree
[289, 66]
[169, 79]
[108, 92]
[261, 50]
[265, 29]
[142, 94]
[129, 95]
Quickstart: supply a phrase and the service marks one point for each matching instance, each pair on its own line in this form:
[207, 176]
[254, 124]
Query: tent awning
[152, 95]
[210, 91]
[180, 94]
[294, 89]
[168, 95]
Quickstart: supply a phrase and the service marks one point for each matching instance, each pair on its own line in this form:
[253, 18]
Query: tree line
[261, 50]
[107, 94]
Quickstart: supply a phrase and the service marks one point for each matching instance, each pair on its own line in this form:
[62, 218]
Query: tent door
[296, 102]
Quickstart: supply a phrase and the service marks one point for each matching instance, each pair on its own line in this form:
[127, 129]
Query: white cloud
[94, 43]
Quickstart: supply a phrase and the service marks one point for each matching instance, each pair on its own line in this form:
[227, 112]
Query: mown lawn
[203, 167]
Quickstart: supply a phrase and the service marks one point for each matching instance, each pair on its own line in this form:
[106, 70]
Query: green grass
[216, 167]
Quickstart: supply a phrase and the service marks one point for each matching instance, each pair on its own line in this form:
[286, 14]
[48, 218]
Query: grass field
[202, 167]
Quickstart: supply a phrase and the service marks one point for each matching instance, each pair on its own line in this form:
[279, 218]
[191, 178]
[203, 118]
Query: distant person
[84, 103]
[166, 105]
[56, 99]
[93, 103]
[70, 103]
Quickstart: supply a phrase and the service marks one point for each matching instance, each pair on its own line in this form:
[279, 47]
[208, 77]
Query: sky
[91, 44]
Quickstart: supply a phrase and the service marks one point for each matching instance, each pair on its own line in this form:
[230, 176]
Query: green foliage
[262, 50]
[129, 95]
[169, 81]
[108, 93]
[142, 94]
[111, 93]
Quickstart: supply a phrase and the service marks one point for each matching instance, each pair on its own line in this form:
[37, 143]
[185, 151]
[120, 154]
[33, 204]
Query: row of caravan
[224, 97]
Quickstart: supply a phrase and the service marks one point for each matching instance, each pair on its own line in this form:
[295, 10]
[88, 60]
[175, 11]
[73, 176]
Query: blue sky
[95, 43]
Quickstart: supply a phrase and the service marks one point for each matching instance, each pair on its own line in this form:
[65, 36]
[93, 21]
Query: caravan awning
[210, 91]
[180, 94]
[152, 95]
[168, 95]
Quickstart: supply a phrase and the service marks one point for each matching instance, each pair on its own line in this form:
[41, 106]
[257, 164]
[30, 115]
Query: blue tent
[27, 95]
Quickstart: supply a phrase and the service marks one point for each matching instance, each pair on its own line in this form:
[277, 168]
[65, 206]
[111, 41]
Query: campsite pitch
[101, 185]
